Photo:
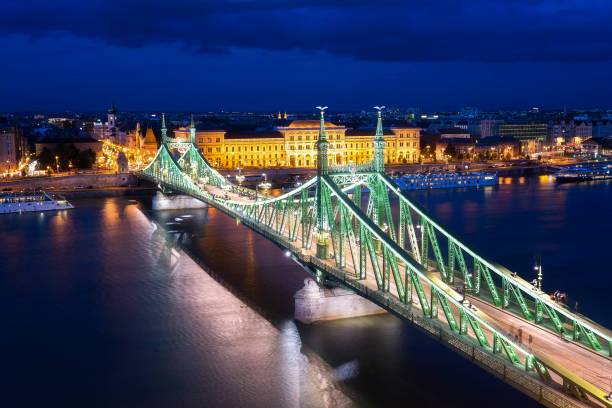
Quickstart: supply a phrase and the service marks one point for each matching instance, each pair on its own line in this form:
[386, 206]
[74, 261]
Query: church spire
[164, 131]
[379, 144]
[192, 130]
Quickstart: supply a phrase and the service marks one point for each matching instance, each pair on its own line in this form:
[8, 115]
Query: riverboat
[423, 181]
[583, 173]
[37, 201]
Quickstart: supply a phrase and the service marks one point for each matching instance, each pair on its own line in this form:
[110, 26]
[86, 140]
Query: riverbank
[106, 192]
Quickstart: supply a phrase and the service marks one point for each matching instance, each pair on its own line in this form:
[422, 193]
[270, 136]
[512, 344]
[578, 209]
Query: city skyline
[269, 56]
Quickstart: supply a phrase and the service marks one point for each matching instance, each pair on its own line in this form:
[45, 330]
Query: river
[98, 309]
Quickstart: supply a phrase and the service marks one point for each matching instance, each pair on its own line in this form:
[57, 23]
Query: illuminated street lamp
[240, 177]
[56, 164]
[264, 185]
[539, 269]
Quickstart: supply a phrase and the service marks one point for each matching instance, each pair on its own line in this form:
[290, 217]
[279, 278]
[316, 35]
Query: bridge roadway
[589, 365]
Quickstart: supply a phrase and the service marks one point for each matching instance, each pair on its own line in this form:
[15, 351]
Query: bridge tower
[192, 131]
[379, 144]
[164, 131]
[322, 170]
[377, 188]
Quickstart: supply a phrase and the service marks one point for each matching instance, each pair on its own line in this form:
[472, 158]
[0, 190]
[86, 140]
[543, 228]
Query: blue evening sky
[199, 55]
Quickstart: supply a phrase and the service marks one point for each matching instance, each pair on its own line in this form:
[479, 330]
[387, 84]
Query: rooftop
[309, 124]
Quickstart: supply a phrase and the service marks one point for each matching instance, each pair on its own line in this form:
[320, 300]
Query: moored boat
[424, 181]
[583, 173]
[36, 201]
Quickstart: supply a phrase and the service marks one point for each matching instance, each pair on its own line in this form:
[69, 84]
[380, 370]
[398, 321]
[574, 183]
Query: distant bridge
[402, 259]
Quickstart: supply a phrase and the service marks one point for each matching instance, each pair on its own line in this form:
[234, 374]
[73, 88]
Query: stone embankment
[82, 185]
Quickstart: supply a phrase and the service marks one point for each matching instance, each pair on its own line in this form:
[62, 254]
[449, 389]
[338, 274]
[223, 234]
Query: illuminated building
[531, 134]
[9, 148]
[106, 130]
[294, 145]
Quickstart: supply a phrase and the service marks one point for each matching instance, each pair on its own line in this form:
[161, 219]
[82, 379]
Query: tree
[66, 154]
[46, 159]
[85, 159]
[450, 150]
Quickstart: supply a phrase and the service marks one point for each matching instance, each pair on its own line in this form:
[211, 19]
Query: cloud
[390, 31]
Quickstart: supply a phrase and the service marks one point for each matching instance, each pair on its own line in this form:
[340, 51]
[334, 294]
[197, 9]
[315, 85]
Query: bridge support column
[315, 303]
[323, 244]
[162, 201]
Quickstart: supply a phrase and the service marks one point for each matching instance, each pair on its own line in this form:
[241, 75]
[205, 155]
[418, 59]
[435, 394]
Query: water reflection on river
[99, 313]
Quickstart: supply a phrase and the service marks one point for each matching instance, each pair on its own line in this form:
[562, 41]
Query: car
[7, 189]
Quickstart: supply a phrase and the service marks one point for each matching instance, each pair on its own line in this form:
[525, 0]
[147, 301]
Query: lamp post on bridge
[539, 269]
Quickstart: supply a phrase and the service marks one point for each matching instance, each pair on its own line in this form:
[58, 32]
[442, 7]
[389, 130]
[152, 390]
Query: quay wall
[72, 181]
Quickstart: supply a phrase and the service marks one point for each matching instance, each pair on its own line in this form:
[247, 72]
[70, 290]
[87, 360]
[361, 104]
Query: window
[218, 139]
[209, 140]
[201, 140]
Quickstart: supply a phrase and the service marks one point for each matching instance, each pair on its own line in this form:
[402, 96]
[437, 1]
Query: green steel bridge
[402, 259]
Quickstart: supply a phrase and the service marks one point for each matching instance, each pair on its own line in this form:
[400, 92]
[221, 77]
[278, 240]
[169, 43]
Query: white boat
[37, 201]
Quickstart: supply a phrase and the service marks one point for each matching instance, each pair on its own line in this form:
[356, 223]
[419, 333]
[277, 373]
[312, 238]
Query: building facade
[532, 135]
[9, 149]
[294, 145]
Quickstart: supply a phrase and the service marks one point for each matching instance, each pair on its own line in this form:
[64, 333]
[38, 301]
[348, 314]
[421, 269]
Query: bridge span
[413, 267]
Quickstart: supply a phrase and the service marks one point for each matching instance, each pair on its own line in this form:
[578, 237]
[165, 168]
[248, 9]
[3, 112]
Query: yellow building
[295, 146]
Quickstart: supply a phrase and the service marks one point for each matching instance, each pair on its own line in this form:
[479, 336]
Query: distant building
[488, 127]
[294, 145]
[602, 128]
[500, 147]
[598, 146]
[569, 133]
[454, 133]
[464, 148]
[10, 148]
[532, 135]
[125, 134]
[150, 142]
[81, 143]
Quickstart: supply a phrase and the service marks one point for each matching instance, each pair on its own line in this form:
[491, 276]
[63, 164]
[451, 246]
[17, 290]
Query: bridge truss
[393, 253]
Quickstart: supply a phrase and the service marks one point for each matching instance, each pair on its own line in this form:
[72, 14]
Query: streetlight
[57, 164]
[539, 269]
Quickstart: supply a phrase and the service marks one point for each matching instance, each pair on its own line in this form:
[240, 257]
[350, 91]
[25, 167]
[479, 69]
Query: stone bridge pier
[163, 201]
[314, 303]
